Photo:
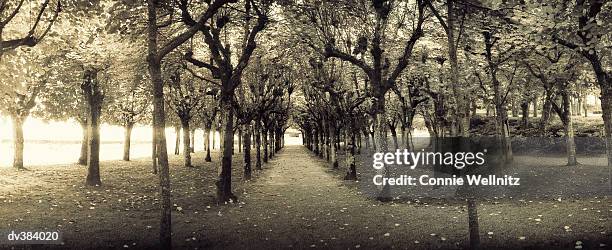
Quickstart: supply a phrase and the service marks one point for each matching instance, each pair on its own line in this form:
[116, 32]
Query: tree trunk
[473, 224]
[578, 105]
[394, 136]
[404, 134]
[207, 133]
[332, 136]
[94, 97]
[257, 135]
[271, 142]
[569, 130]
[247, 152]
[352, 169]
[18, 141]
[380, 137]
[279, 138]
[606, 107]
[239, 140]
[584, 106]
[461, 99]
[159, 116]
[224, 183]
[84, 141]
[264, 134]
[525, 114]
[501, 112]
[546, 109]
[177, 141]
[323, 140]
[186, 143]
[514, 107]
[127, 141]
[535, 106]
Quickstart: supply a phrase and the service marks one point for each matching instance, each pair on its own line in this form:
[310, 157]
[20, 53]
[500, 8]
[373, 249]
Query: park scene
[299, 124]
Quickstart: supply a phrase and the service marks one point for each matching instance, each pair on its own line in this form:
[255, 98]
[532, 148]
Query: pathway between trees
[297, 203]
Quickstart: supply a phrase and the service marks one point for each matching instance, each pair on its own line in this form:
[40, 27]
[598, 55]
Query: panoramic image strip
[305, 124]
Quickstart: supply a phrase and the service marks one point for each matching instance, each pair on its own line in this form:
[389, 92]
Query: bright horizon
[69, 134]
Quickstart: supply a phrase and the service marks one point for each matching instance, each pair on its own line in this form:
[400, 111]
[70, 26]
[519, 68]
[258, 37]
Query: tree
[334, 24]
[154, 58]
[20, 99]
[229, 74]
[556, 71]
[186, 98]
[130, 105]
[63, 100]
[11, 22]
[581, 26]
[27, 73]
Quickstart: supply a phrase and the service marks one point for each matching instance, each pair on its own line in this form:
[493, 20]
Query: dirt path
[294, 201]
[299, 203]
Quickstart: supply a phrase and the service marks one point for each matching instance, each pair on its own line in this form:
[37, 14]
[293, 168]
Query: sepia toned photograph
[305, 124]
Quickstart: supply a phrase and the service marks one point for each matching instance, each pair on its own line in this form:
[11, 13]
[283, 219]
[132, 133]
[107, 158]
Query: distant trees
[19, 94]
[130, 105]
[64, 101]
[186, 97]
[343, 71]
[372, 51]
[228, 73]
[29, 77]
[156, 53]
[556, 72]
[581, 27]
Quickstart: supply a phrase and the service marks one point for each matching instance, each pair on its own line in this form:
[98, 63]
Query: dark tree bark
[569, 130]
[207, 133]
[459, 94]
[94, 97]
[546, 109]
[272, 143]
[257, 135]
[525, 114]
[352, 168]
[584, 106]
[247, 152]
[127, 141]
[264, 134]
[186, 143]
[535, 106]
[393, 130]
[501, 116]
[154, 58]
[473, 223]
[239, 140]
[332, 136]
[224, 182]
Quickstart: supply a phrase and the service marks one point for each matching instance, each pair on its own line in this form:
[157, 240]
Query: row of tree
[360, 70]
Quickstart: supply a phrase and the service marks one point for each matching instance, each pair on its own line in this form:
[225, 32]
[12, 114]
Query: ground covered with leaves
[297, 201]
